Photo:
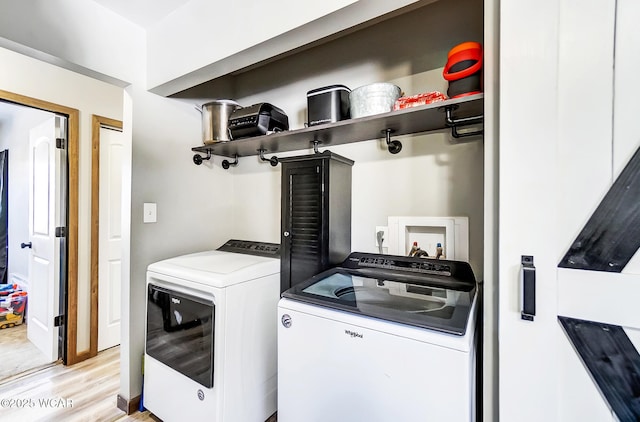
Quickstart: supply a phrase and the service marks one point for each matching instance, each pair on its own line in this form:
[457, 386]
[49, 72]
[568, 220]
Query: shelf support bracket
[226, 163]
[273, 160]
[395, 146]
[198, 159]
[456, 124]
[315, 146]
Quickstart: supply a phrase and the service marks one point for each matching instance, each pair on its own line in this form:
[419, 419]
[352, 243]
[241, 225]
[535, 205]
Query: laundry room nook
[361, 158]
[340, 211]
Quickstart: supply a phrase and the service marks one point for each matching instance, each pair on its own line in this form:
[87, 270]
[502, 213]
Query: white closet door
[110, 243]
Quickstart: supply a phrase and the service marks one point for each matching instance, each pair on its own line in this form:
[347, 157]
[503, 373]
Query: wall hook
[273, 160]
[315, 146]
[198, 159]
[226, 163]
[394, 147]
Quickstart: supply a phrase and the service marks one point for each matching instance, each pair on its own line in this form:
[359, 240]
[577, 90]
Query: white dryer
[211, 322]
[379, 338]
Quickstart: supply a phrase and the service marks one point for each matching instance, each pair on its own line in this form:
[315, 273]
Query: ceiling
[144, 13]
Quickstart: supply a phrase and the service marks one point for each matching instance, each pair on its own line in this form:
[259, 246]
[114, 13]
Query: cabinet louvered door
[316, 215]
[302, 236]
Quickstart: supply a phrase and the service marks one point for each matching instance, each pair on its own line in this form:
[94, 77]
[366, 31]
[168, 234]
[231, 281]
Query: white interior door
[553, 178]
[45, 214]
[110, 243]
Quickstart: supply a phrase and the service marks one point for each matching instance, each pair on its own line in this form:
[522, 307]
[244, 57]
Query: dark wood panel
[612, 235]
[612, 361]
[430, 117]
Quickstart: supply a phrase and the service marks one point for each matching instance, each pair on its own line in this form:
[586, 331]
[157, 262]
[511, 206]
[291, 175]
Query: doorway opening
[64, 323]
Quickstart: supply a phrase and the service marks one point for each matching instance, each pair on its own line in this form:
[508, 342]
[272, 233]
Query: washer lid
[217, 268]
[433, 294]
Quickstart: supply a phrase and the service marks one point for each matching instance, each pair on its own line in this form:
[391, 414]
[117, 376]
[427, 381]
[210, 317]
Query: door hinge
[60, 143]
[58, 321]
[61, 231]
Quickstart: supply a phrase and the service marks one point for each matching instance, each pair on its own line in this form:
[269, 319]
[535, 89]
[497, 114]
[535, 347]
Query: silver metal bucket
[215, 120]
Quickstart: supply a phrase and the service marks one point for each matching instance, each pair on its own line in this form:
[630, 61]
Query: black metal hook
[226, 163]
[198, 159]
[394, 147]
[455, 124]
[273, 160]
[315, 146]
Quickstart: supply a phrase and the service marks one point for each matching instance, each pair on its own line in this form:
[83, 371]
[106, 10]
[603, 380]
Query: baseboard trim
[128, 406]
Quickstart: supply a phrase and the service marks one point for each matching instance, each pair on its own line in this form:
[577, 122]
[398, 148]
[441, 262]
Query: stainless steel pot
[215, 120]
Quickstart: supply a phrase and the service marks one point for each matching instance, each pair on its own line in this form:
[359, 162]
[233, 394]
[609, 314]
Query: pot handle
[198, 108]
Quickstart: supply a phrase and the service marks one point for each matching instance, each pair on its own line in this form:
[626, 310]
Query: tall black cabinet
[316, 215]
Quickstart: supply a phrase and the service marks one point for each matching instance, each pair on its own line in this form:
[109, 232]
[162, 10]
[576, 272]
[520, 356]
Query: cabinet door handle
[286, 234]
[25, 245]
[527, 288]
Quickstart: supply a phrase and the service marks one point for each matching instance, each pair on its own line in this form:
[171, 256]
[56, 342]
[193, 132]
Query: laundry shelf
[427, 118]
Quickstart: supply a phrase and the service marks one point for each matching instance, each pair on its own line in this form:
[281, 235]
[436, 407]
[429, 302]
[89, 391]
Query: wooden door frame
[97, 122]
[73, 116]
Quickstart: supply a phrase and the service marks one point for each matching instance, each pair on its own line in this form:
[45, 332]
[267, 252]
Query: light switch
[150, 213]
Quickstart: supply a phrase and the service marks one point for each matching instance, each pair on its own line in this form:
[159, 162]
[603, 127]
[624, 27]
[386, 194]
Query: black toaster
[258, 119]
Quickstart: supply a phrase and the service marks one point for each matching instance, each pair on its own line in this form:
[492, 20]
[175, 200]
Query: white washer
[380, 338]
[211, 334]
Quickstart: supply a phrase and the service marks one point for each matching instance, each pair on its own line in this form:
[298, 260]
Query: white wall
[33, 78]
[14, 136]
[78, 35]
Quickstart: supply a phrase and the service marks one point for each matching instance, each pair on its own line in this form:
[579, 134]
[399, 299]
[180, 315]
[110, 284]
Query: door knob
[25, 245]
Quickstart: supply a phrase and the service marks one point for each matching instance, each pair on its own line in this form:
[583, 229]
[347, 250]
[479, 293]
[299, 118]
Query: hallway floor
[18, 353]
[86, 391]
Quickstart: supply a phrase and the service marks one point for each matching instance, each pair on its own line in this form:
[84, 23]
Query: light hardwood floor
[83, 392]
[18, 353]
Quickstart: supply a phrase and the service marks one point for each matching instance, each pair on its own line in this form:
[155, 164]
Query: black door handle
[528, 288]
[25, 245]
